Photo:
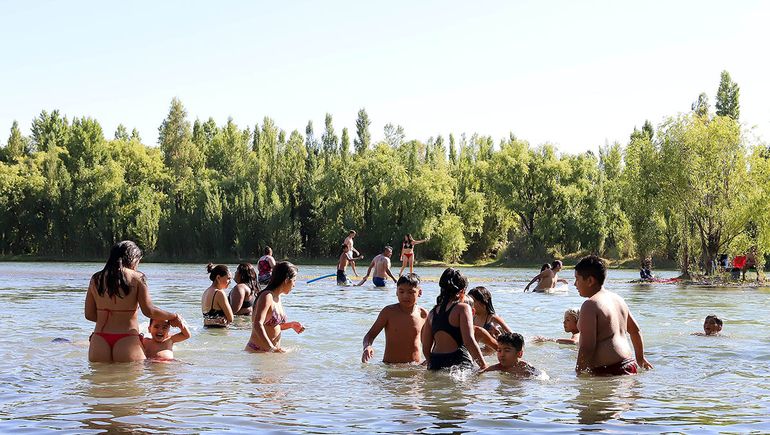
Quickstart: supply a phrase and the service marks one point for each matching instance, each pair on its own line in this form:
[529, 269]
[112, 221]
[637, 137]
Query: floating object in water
[321, 277]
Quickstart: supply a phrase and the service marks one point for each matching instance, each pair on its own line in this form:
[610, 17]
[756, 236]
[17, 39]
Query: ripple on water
[708, 384]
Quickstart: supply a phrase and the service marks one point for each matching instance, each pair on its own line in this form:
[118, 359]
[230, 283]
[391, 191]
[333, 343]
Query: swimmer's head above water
[712, 325]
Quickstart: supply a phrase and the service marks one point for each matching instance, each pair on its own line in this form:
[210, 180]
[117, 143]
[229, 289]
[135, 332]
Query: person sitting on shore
[571, 317]
[711, 326]
[547, 278]
[244, 293]
[159, 345]
[265, 266]
[217, 312]
[509, 353]
[603, 323]
[402, 322]
[381, 266]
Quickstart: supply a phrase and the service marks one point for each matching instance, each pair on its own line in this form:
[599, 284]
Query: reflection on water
[712, 383]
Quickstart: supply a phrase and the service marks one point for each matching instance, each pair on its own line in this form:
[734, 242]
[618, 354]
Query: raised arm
[469, 338]
[374, 331]
[90, 308]
[499, 320]
[587, 344]
[183, 333]
[146, 305]
[637, 341]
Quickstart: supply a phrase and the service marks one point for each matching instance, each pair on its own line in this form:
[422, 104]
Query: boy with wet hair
[603, 324]
[160, 345]
[712, 325]
[346, 258]
[402, 322]
[510, 350]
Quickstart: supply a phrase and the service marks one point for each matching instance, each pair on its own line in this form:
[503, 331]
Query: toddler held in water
[402, 323]
[509, 353]
[571, 317]
[159, 344]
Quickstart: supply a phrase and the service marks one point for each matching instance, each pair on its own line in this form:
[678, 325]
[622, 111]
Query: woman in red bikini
[407, 253]
[112, 299]
[269, 317]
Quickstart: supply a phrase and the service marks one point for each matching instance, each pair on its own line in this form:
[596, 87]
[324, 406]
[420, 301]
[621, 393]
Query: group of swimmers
[451, 334]
[380, 264]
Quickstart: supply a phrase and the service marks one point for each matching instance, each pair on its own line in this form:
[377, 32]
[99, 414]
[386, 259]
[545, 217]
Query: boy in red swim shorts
[604, 321]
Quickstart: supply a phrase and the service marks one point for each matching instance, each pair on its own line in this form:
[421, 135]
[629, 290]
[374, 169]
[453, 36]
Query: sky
[575, 74]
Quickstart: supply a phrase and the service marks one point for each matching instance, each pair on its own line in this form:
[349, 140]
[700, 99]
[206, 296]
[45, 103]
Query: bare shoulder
[589, 305]
[423, 313]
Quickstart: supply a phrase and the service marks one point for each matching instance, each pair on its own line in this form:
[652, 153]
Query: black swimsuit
[213, 314]
[460, 356]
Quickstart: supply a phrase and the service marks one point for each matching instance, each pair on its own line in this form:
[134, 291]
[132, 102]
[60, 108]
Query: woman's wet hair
[545, 266]
[216, 271]
[482, 296]
[111, 279]
[572, 312]
[410, 279]
[409, 238]
[281, 272]
[716, 319]
[451, 283]
[245, 274]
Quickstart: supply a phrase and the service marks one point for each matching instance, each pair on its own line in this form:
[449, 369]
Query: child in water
[160, 345]
[402, 323]
[711, 326]
[571, 317]
[511, 349]
[484, 312]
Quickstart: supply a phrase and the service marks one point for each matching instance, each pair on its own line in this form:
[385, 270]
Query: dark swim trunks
[378, 282]
[626, 367]
[342, 279]
[460, 357]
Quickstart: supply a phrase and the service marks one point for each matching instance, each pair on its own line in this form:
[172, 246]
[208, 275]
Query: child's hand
[367, 355]
[646, 364]
[539, 339]
[277, 350]
[298, 328]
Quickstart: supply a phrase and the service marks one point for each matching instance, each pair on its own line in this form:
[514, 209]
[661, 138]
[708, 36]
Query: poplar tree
[363, 137]
[727, 97]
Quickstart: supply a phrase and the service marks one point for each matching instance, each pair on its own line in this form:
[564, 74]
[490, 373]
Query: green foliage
[688, 191]
[727, 97]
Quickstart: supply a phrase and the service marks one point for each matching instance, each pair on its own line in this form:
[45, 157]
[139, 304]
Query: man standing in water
[381, 266]
[604, 321]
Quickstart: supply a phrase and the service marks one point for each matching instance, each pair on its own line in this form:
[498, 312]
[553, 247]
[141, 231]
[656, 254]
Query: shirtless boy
[509, 353]
[571, 317]
[346, 258]
[604, 321]
[381, 266]
[402, 322]
[159, 344]
[547, 278]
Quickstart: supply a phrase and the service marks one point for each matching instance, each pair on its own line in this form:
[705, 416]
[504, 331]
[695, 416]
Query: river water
[699, 384]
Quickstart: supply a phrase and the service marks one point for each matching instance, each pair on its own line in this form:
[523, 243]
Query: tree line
[687, 190]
